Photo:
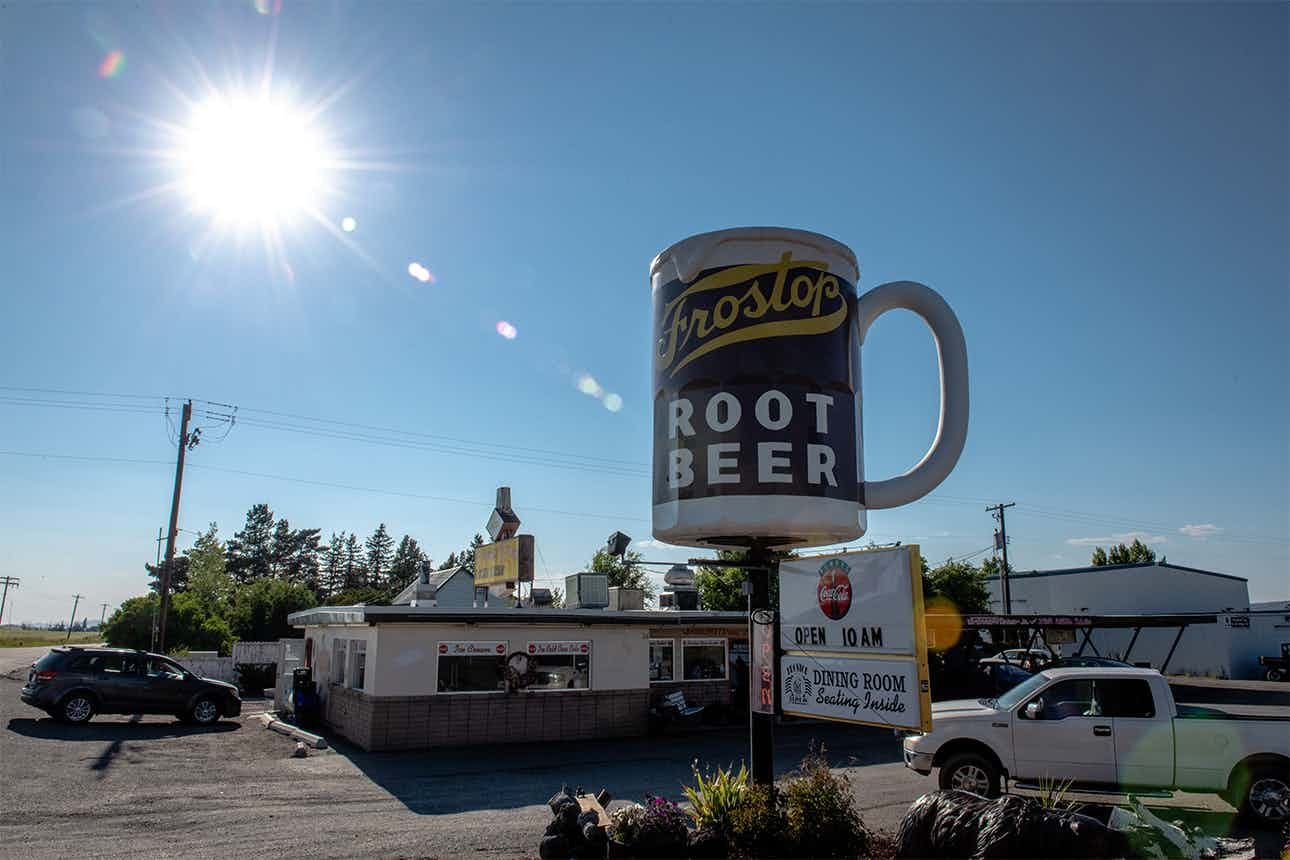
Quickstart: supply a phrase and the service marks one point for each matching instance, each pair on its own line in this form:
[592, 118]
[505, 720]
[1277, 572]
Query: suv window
[51, 660]
[87, 664]
[1128, 697]
[158, 666]
[120, 664]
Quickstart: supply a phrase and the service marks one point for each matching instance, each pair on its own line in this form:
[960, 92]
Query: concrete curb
[274, 724]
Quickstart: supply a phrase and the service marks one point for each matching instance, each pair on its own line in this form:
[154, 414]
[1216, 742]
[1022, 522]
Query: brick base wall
[421, 722]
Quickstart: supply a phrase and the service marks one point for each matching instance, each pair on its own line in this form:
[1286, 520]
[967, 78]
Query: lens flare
[613, 402]
[348, 224]
[421, 273]
[944, 624]
[268, 7]
[506, 330]
[588, 385]
[112, 64]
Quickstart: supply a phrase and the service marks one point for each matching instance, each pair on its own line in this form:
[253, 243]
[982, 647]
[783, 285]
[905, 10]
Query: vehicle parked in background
[1108, 729]
[1088, 663]
[73, 684]
[999, 678]
[1023, 657]
[1277, 668]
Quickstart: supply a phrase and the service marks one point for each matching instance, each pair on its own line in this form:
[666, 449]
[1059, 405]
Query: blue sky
[1099, 191]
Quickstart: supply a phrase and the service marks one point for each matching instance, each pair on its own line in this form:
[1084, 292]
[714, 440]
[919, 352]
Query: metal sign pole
[761, 725]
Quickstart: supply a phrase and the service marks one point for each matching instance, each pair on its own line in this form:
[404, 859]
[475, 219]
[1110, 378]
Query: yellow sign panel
[509, 560]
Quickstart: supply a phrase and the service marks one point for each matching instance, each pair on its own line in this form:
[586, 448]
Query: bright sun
[247, 160]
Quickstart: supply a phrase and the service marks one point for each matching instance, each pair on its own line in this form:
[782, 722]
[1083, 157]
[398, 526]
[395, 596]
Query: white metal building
[1229, 649]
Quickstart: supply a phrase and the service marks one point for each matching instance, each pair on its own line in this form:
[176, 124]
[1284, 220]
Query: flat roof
[444, 615]
[1105, 568]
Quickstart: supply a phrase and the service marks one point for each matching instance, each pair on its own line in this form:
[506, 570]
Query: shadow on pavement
[117, 730]
[444, 781]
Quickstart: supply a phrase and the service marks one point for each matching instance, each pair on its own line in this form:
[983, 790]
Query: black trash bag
[568, 818]
[560, 798]
[947, 824]
[554, 848]
[588, 817]
[555, 828]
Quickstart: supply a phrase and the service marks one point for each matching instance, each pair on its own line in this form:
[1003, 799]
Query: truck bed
[1265, 713]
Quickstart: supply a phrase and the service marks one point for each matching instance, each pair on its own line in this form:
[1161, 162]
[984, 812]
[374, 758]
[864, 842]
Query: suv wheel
[76, 709]
[205, 711]
[970, 771]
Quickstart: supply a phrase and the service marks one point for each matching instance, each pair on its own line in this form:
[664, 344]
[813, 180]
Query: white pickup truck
[1109, 729]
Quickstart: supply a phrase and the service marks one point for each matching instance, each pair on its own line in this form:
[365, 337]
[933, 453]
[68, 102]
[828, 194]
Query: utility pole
[75, 603]
[1001, 543]
[102, 615]
[184, 444]
[6, 581]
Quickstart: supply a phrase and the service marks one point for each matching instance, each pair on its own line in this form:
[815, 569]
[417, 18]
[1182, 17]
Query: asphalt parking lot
[155, 787]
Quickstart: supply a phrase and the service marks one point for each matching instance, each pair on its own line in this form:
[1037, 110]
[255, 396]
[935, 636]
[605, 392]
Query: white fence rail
[225, 668]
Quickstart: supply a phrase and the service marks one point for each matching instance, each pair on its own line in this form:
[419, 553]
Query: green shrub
[758, 825]
[715, 795]
[820, 812]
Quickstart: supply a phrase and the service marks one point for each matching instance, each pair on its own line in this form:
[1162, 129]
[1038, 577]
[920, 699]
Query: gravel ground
[151, 786]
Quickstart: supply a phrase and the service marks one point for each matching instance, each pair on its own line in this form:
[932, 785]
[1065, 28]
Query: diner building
[419, 676]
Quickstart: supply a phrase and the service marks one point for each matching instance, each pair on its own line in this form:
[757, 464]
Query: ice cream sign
[851, 633]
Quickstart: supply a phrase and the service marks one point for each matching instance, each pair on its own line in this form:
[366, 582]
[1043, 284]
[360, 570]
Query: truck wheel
[1274, 674]
[1267, 799]
[970, 771]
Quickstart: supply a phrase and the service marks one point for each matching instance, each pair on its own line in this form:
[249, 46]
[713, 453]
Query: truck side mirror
[1034, 709]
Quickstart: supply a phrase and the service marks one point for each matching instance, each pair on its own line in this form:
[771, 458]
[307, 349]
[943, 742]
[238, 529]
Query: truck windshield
[1020, 693]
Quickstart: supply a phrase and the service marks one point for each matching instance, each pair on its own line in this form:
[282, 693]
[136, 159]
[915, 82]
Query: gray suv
[73, 684]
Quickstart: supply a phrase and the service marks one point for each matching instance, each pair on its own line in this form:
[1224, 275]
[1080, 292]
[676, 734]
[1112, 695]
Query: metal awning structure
[1037, 627]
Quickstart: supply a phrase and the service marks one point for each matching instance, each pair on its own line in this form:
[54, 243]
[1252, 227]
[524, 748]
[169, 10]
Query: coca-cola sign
[834, 590]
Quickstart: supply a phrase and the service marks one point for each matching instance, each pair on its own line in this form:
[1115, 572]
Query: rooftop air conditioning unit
[586, 591]
[626, 598]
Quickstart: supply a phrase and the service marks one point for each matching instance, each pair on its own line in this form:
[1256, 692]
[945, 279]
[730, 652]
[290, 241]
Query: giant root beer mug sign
[852, 638]
[757, 398]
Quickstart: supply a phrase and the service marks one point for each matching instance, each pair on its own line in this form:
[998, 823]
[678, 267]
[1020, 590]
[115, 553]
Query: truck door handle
[1102, 731]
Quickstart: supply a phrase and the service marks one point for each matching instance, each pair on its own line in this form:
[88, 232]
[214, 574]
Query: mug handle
[951, 353]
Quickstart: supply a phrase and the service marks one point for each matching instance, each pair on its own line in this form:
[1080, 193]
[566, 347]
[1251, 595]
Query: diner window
[338, 661]
[358, 664]
[703, 659]
[472, 667]
[560, 665]
[662, 660]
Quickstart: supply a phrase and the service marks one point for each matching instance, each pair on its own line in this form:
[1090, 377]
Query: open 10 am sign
[852, 638]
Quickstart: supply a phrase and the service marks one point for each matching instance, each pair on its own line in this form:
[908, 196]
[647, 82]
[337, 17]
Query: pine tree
[282, 549]
[450, 561]
[380, 547]
[250, 551]
[467, 557]
[406, 565]
[333, 576]
[355, 572]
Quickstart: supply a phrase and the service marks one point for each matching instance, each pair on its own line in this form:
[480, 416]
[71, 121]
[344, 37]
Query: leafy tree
[624, 571]
[380, 549]
[406, 564]
[355, 569]
[190, 626]
[1135, 553]
[961, 583]
[178, 574]
[721, 589]
[259, 611]
[250, 551]
[367, 596]
[208, 579]
[450, 561]
[333, 571]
